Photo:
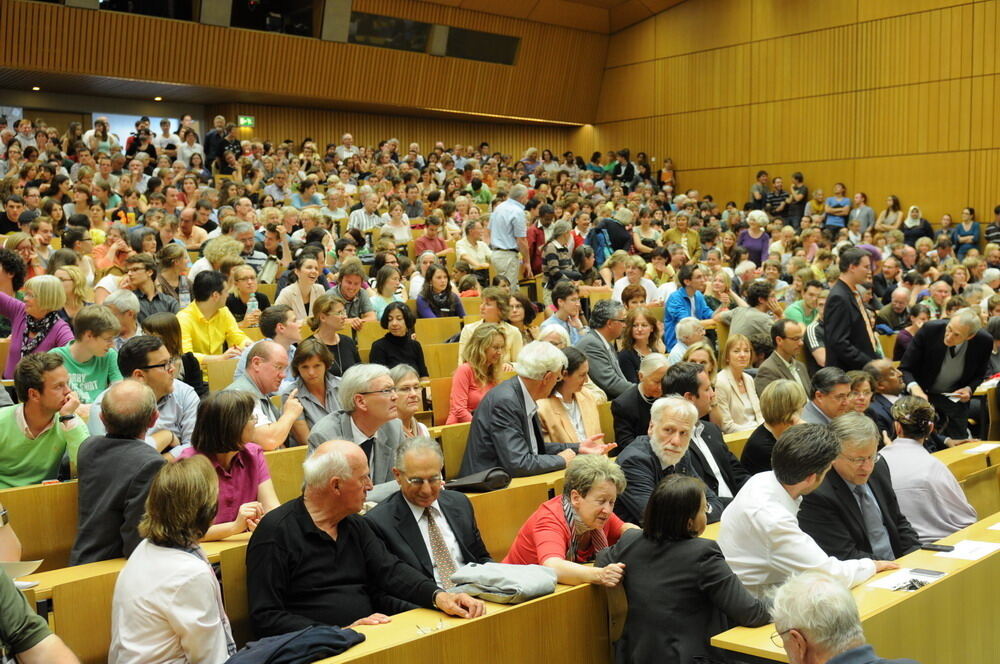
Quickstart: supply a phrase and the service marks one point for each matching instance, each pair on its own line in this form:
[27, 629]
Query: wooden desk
[47, 580]
[951, 621]
[569, 626]
[960, 462]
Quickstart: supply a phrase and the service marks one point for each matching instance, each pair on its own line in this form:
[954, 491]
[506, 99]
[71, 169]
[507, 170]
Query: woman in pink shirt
[246, 493]
[479, 373]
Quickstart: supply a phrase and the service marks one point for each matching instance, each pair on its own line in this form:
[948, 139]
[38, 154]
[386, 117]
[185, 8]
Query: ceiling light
[35, 88]
[157, 98]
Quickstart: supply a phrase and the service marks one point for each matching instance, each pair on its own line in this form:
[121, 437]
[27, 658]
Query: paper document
[970, 550]
[982, 447]
[995, 526]
[18, 569]
[904, 579]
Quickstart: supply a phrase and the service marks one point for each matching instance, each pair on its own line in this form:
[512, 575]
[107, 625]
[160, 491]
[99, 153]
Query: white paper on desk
[970, 550]
[900, 578]
[18, 569]
[982, 447]
[995, 526]
[24, 585]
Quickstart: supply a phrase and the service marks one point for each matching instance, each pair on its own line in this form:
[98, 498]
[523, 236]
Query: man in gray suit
[829, 396]
[369, 418]
[505, 428]
[787, 336]
[607, 322]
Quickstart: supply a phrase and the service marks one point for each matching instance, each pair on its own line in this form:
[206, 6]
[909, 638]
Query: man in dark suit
[849, 328]
[854, 512]
[431, 530]
[607, 322]
[631, 409]
[115, 473]
[710, 456]
[786, 335]
[505, 428]
[945, 363]
[369, 419]
[888, 387]
[887, 280]
[664, 451]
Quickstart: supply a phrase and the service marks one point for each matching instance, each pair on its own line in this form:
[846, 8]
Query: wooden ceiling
[603, 16]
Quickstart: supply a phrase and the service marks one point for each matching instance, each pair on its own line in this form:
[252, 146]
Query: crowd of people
[692, 319]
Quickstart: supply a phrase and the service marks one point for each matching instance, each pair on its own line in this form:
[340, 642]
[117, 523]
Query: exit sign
[246, 120]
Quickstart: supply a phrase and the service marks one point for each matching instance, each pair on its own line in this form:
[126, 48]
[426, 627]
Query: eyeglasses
[415, 389]
[776, 637]
[166, 366]
[860, 461]
[420, 481]
[386, 392]
[616, 320]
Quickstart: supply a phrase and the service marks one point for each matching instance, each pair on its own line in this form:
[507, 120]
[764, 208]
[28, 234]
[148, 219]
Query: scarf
[581, 536]
[40, 327]
[198, 553]
[441, 304]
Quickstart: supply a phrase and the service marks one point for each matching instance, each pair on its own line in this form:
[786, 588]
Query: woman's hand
[608, 576]
[248, 517]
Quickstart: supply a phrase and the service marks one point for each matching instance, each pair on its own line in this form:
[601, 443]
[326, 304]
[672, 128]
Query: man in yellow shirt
[206, 323]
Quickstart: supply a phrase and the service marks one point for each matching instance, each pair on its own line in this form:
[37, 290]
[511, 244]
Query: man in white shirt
[166, 141]
[760, 535]
[367, 217]
[431, 530]
[346, 148]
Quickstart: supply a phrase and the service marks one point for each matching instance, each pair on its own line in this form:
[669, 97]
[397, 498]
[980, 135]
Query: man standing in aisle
[510, 236]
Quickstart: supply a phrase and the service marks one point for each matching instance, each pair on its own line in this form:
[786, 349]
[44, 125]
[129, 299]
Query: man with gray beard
[648, 459]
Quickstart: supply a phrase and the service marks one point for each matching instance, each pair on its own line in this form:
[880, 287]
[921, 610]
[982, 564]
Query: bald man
[315, 560]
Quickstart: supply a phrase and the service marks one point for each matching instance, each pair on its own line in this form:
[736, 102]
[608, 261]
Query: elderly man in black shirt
[314, 560]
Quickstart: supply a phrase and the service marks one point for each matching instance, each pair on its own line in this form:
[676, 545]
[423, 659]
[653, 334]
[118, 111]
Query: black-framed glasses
[166, 366]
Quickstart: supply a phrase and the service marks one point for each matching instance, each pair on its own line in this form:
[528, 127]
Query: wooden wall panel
[618, 135]
[633, 96]
[899, 50]
[680, 81]
[815, 63]
[936, 183]
[631, 45]
[775, 18]
[699, 25]
[278, 123]
[887, 96]
[563, 88]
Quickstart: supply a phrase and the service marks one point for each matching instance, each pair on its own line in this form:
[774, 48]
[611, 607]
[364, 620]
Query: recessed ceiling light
[35, 88]
[157, 98]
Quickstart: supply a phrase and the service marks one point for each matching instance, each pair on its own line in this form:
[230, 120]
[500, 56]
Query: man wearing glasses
[141, 272]
[854, 512]
[830, 391]
[369, 417]
[607, 322]
[431, 530]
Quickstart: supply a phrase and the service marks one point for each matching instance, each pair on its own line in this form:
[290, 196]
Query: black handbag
[490, 479]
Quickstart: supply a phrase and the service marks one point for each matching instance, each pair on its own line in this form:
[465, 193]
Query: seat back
[500, 514]
[441, 399]
[453, 439]
[982, 490]
[232, 563]
[44, 516]
[437, 330]
[220, 374]
[82, 618]
[285, 466]
[736, 441]
[441, 359]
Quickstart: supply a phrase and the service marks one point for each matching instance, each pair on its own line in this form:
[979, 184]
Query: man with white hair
[124, 304]
[315, 561]
[689, 332]
[368, 416]
[631, 408]
[509, 236]
[505, 428]
[818, 622]
[347, 148]
[945, 363]
[663, 451]
[366, 217]
[896, 314]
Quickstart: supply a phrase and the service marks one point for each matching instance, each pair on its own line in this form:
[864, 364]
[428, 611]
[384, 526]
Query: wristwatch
[66, 418]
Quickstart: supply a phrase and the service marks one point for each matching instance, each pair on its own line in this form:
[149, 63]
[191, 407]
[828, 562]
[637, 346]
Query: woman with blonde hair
[22, 245]
[167, 603]
[244, 301]
[735, 395]
[494, 308]
[329, 314]
[614, 267]
[781, 405]
[215, 251]
[172, 280]
[643, 335]
[702, 353]
[719, 291]
[74, 285]
[482, 362]
[35, 323]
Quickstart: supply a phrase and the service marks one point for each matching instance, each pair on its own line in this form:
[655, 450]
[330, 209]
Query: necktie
[878, 537]
[443, 562]
[952, 351]
[367, 447]
[869, 326]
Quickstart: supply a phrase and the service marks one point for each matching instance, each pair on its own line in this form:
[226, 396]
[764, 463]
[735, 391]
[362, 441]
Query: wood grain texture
[888, 97]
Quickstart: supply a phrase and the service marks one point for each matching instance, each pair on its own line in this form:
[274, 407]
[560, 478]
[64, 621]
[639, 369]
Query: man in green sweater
[36, 433]
[91, 360]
